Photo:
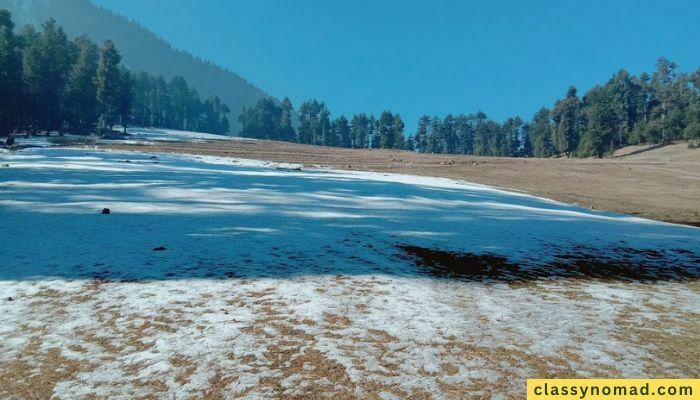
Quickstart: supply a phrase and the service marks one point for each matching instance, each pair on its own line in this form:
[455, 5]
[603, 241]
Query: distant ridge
[141, 49]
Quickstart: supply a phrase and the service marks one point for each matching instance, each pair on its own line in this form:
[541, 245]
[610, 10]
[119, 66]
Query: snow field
[278, 282]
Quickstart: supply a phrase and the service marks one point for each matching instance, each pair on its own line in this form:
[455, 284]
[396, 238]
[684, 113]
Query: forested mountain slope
[141, 49]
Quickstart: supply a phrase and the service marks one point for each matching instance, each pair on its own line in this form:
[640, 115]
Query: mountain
[141, 49]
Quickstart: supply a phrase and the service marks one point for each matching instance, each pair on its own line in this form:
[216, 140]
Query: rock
[106, 211]
[159, 248]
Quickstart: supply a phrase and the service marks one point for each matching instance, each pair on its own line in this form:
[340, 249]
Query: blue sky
[430, 57]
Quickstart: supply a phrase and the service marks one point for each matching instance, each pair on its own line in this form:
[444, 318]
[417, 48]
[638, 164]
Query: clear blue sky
[429, 57]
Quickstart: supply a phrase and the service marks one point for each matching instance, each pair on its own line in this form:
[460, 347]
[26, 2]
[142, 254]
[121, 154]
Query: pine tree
[179, 101]
[483, 130]
[324, 136]
[309, 121]
[449, 134]
[373, 132]
[421, 137]
[286, 129]
[511, 142]
[597, 136]
[81, 92]
[161, 105]
[385, 128]
[359, 127]
[625, 95]
[566, 123]
[667, 98]
[10, 74]
[434, 136]
[213, 118]
[410, 143]
[541, 134]
[525, 142]
[194, 110]
[263, 121]
[141, 110]
[48, 59]
[341, 128]
[464, 129]
[108, 83]
[125, 97]
[692, 130]
[399, 139]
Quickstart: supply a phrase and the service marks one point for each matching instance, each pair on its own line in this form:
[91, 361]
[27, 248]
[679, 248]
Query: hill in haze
[141, 49]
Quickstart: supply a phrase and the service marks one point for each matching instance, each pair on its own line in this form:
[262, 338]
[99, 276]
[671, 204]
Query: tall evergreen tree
[213, 118]
[10, 75]
[179, 102]
[141, 110]
[309, 126]
[286, 128]
[263, 120]
[399, 139]
[512, 137]
[435, 142]
[108, 81]
[464, 128]
[625, 95]
[360, 130]
[483, 130]
[541, 134]
[421, 137]
[410, 143]
[449, 134]
[48, 58]
[125, 92]
[81, 92]
[525, 149]
[341, 129]
[385, 128]
[567, 123]
[599, 128]
[324, 135]
[666, 100]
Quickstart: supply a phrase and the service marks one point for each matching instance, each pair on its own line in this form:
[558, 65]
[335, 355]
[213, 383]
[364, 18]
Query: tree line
[49, 83]
[271, 120]
[647, 109]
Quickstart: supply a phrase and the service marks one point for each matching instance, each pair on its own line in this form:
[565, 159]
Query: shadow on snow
[222, 221]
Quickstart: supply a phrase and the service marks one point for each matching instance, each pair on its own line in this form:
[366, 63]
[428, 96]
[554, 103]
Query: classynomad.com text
[613, 389]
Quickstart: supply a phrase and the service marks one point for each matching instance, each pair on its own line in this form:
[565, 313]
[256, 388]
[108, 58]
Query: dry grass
[672, 338]
[335, 321]
[34, 374]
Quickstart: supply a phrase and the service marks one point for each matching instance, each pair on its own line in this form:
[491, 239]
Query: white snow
[261, 258]
[161, 134]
